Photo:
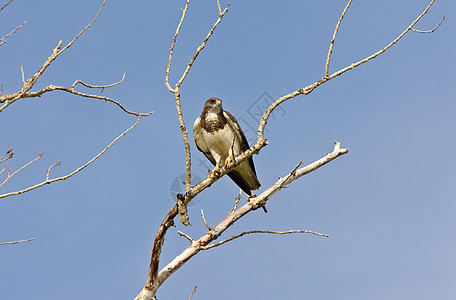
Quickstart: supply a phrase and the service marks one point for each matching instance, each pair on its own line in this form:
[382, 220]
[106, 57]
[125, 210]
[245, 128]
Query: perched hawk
[218, 135]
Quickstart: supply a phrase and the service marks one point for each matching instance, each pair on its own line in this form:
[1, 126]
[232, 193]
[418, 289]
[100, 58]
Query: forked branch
[261, 141]
[155, 280]
[151, 287]
[73, 91]
[8, 178]
[308, 89]
[7, 155]
[8, 99]
[188, 164]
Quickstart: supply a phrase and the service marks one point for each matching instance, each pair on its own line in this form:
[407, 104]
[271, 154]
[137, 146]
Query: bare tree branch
[6, 5]
[201, 47]
[156, 251]
[7, 155]
[432, 30]
[168, 67]
[204, 221]
[102, 87]
[185, 236]
[308, 89]
[49, 170]
[151, 287]
[262, 231]
[84, 29]
[262, 142]
[155, 281]
[11, 98]
[236, 202]
[4, 39]
[8, 179]
[188, 165]
[3, 170]
[48, 181]
[219, 8]
[71, 90]
[331, 44]
[22, 73]
[16, 242]
[194, 290]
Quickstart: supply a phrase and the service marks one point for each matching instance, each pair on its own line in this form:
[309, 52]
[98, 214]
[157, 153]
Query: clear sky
[389, 204]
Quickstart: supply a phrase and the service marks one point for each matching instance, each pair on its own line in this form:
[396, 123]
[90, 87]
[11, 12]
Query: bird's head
[213, 105]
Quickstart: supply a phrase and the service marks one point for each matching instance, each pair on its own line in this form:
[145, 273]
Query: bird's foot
[229, 161]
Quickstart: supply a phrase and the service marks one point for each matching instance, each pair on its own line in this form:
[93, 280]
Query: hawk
[218, 135]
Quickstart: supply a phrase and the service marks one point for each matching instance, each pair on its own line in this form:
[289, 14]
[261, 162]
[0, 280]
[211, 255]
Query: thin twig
[432, 30]
[236, 202]
[84, 29]
[262, 231]
[194, 290]
[75, 171]
[17, 242]
[8, 179]
[4, 39]
[11, 98]
[102, 87]
[3, 170]
[6, 5]
[201, 47]
[331, 45]
[168, 67]
[308, 89]
[7, 155]
[185, 236]
[51, 88]
[204, 221]
[49, 170]
[293, 172]
[22, 72]
[219, 8]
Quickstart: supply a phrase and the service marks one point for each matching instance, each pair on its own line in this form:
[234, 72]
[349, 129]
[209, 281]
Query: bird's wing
[243, 175]
[240, 134]
[200, 142]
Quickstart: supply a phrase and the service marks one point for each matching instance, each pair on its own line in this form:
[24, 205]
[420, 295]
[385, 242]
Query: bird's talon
[229, 161]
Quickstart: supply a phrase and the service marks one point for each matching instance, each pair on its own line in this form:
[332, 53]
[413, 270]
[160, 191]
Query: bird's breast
[220, 140]
[213, 123]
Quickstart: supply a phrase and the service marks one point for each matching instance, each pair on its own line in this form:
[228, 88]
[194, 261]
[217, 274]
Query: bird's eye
[212, 101]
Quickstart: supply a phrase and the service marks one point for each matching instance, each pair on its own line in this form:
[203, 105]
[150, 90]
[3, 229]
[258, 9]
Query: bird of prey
[218, 135]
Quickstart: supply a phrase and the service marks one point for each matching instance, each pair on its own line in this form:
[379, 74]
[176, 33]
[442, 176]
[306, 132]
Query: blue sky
[389, 204]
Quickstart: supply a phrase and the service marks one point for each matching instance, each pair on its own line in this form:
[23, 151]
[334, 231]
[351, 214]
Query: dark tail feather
[240, 182]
